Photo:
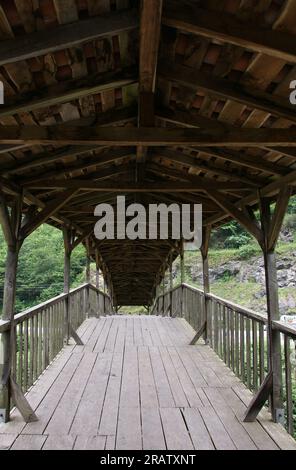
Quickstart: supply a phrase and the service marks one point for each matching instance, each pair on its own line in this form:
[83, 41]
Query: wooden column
[87, 276]
[182, 275]
[67, 277]
[182, 263]
[69, 242]
[98, 279]
[204, 250]
[11, 225]
[5, 346]
[171, 283]
[272, 385]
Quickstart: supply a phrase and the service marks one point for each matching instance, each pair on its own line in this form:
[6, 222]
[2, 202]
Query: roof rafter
[65, 36]
[227, 90]
[130, 136]
[228, 28]
[69, 90]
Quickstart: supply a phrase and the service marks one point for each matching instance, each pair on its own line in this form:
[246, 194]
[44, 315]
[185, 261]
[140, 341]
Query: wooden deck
[136, 384]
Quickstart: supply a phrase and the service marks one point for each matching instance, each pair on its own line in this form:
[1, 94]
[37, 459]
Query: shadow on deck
[137, 384]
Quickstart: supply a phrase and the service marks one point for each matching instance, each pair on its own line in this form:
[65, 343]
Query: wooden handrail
[284, 328]
[239, 336]
[30, 312]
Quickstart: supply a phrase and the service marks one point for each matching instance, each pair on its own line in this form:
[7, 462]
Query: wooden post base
[75, 336]
[21, 402]
[259, 399]
[199, 334]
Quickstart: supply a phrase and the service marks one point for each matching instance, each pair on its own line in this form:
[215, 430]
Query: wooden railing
[239, 336]
[40, 331]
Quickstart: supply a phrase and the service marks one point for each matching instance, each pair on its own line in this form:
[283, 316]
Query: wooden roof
[184, 101]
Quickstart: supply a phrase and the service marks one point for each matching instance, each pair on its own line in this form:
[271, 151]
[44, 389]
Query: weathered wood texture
[136, 384]
[240, 337]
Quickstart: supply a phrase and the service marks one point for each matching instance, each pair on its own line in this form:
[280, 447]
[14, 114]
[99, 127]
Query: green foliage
[247, 251]
[41, 267]
[292, 205]
[230, 235]
[290, 222]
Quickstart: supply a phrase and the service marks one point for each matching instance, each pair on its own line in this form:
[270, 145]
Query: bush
[247, 251]
[290, 222]
[236, 241]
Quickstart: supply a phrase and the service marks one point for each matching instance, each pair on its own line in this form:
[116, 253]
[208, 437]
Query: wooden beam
[269, 190]
[192, 162]
[228, 28]
[5, 222]
[245, 160]
[200, 184]
[86, 234]
[150, 25]
[66, 36]
[68, 91]
[104, 158]
[278, 216]
[225, 89]
[237, 214]
[151, 11]
[49, 210]
[186, 118]
[128, 136]
[10, 148]
[192, 118]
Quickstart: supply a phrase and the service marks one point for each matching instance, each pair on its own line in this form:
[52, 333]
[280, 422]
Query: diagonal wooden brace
[198, 335]
[21, 402]
[75, 336]
[259, 399]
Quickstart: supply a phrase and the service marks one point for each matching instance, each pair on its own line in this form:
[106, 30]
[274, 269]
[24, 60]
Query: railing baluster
[261, 352]
[20, 356]
[227, 337]
[236, 340]
[288, 382]
[26, 353]
[255, 355]
[248, 351]
[242, 347]
[232, 339]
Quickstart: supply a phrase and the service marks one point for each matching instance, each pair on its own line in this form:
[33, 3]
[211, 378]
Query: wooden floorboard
[137, 384]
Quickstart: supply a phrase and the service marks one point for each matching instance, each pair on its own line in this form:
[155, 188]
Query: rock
[259, 294]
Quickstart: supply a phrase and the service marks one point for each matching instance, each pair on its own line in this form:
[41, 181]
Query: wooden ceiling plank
[225, 89]
[66, 36]
[69, 90]
[191, 162]
[228, 28]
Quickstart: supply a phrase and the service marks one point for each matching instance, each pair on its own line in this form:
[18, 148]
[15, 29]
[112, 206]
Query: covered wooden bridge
[161, 101]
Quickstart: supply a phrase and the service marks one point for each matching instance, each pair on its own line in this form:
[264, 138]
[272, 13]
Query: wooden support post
[11, 224]
[69, 236]
[204, 249]
[98, 279]
[67, 271]
[171, 284]
[272, 385]
[87, 277]
[182, 274]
